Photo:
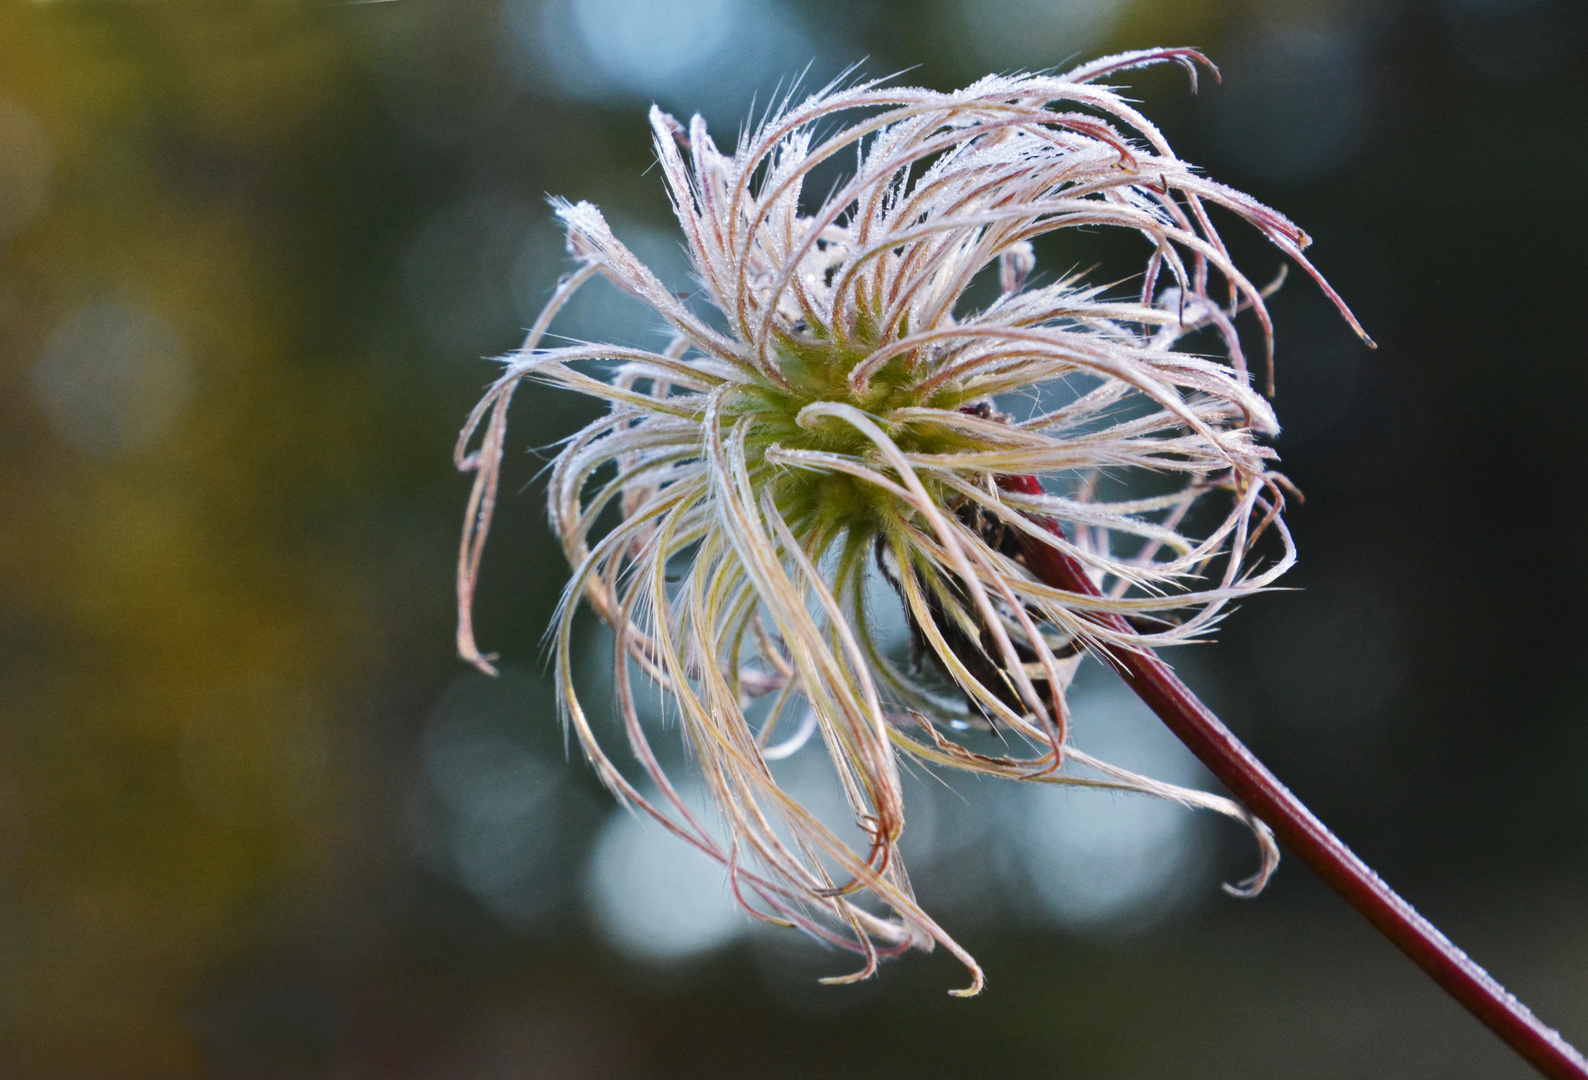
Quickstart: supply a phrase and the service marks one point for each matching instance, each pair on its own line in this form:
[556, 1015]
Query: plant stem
[1262, 793]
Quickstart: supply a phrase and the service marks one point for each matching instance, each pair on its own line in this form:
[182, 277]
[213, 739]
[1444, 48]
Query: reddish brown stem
[1262, 793]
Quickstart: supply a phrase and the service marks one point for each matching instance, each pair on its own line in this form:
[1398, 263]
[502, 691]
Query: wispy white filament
[831, 417]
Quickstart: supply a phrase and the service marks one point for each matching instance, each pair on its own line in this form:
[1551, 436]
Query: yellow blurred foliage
[167, 746]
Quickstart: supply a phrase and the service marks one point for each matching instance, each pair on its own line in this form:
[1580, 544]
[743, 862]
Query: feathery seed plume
[833, 420]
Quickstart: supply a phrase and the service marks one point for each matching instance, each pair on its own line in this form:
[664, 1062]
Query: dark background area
[251, 255]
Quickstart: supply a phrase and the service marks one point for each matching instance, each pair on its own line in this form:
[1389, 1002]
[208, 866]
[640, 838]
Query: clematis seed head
[832, 412]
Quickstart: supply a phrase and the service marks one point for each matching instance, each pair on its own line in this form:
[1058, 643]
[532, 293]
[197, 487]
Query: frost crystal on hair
[836, 419]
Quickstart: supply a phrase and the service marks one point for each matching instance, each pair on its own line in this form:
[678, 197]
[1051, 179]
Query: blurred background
[256, 821]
